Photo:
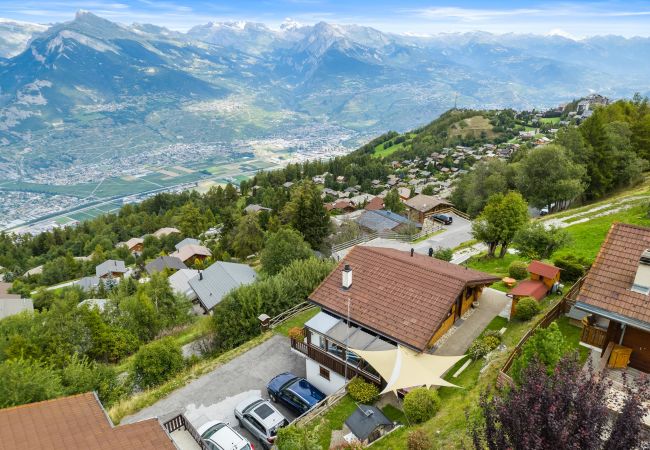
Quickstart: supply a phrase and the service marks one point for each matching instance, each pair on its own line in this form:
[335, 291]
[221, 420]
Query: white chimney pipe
[346, 277]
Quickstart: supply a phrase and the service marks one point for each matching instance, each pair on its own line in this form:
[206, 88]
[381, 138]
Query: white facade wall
[328, 387]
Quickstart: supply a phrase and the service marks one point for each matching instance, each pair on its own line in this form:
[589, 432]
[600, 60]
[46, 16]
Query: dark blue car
[295, 392]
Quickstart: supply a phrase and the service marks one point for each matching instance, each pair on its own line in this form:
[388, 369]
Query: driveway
[455, 234]
[491, 304]
[215, 395]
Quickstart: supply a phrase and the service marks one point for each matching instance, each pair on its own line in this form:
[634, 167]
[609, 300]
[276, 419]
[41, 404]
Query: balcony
[333, 362]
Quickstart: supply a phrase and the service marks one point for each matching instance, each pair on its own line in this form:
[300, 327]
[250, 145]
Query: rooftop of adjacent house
[13, 304]
[164, 262]
[99, 303]
[88, 283]
[424, 203]
[253, 208]
[75, 422]
[608, 287]
[543, 269]
[188, 251]
[187, 241]
[365, 419]
[110, 266]
[375, 204]
[166, 231]
[131, 242]
[180, 282]
[404, 298]
[529, 288]
[382, 220]
[213, 283]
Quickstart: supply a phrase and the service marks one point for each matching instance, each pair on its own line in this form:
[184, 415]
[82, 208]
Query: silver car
[261, 418]
[217, 435]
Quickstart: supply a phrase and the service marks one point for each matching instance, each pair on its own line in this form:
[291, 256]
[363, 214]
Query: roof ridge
[394, 257]
[629, 225]
[49, 400]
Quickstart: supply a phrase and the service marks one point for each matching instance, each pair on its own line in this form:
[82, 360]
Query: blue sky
[571, 18]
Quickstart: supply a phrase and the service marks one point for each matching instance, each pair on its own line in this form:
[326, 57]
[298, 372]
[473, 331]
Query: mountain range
[90, 93]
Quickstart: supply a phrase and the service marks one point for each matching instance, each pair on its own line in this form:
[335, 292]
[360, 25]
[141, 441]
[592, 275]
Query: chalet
[111, 268]
[542, 279]
[391, 298]
[161, 263]
[192, 252]
[135, 245]
[367, 424]
[187, 241]
[180, 282]
[11, 304]
[380, 220]
[375, 204]
[212, 284]
[422, 206]
[162, 232]
[404, 193]
[76, 422]
[254, 209]
[615, 294]
[343, 205]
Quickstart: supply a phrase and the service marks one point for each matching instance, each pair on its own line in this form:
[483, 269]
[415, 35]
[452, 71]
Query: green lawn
[333, 420]
[495, 266]
[381, 152]
[550, 119]
[572, 335]
[296, 321]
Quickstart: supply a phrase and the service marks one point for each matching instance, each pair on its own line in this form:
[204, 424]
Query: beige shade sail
[402, 368]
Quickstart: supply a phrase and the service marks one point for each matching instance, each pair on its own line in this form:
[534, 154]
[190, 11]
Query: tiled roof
[191, 250]
[609, 281]
[424, 203]
[399, 296]
[529, 288]
[374, 204]
[76, 422]
[543, 269]
[162, 232]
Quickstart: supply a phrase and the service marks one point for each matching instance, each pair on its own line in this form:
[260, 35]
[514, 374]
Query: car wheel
[273, 398]
[241, 425]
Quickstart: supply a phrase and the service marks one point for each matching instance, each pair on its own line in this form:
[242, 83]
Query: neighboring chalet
[375, 204]
[11, 304]
[422, 206]
[615, 294]
[212, 284]
[543, 277]
[381, 220]
[76, 422]
[180, 282]
[254, 209]
[404, 193]
[164, 263]
[394, 299]
[162, 232]
[111, 268]
[367, 424]
[187, 241]
[192, 252]
[135, 245]
[344, 205]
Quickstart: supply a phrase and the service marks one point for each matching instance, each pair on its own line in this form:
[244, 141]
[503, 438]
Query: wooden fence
[503, 379]
[321, 408]
[179, 422]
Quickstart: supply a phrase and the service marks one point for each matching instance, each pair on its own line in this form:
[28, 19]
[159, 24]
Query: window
[324, 373]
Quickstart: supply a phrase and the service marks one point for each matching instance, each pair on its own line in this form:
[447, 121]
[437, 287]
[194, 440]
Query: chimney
[346, 277]
[412, 251]
[642, 278]
[200, 275]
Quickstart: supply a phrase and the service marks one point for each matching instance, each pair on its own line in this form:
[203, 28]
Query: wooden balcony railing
[332, 362]
[179, 422]
[593, 336]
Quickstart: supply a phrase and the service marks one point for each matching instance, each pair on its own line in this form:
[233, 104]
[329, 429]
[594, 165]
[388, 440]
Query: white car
[261, 419]
[217, 435]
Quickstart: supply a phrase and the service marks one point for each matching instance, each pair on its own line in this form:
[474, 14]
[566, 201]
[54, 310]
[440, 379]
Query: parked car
[295, 392]
[217, 435]
[261, 418]
[444, 218]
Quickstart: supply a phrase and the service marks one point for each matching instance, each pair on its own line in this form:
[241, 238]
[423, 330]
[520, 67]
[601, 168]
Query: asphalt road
[215, 395]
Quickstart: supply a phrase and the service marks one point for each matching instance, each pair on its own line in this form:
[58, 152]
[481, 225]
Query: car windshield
[210, 431]
[264, 411]
[253, 405]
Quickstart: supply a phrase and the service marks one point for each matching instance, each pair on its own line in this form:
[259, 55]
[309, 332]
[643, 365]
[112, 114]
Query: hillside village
[308, 274]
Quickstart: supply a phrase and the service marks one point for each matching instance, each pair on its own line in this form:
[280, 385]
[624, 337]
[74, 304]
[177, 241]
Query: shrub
[296, 333]
[572, 268]
[421, 404]
[156, 362]
[297, 438]
[26, 381]
[518, 270]
[526, 308]
[418, 440]
[546, 345]
[362, 391]
[283, 247]
[445, 254]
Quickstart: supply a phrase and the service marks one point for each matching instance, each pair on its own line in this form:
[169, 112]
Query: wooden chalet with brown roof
[615, 294]
[394, 298]
[542, 278]
[422, 206]
[76, 422]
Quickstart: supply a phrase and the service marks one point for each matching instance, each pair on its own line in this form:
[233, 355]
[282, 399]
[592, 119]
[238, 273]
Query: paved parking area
[215, 395]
